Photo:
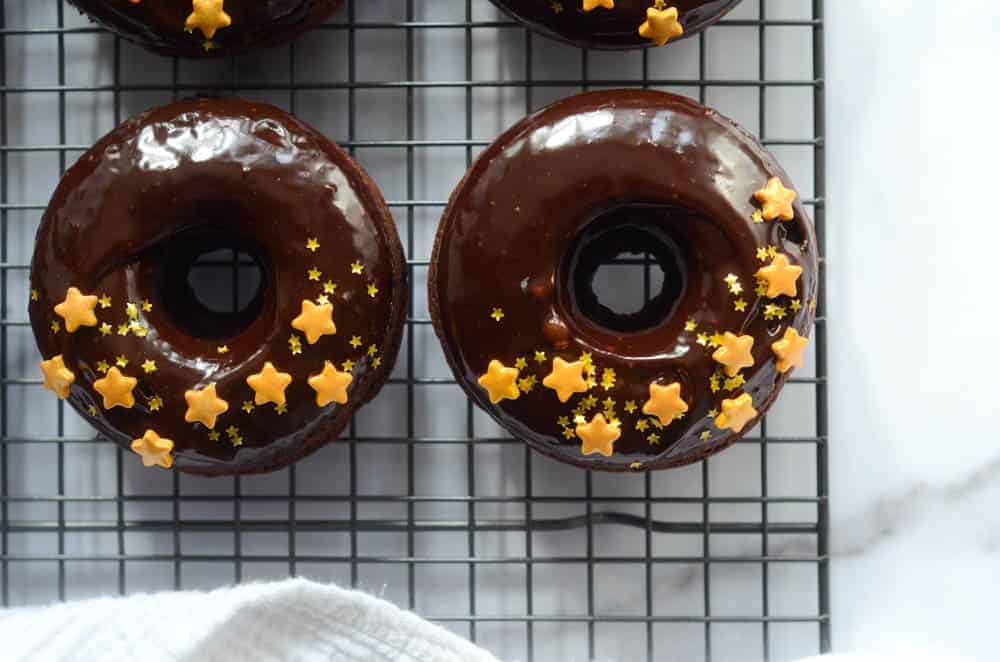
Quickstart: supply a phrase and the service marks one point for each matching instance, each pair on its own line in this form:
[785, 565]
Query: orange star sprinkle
[204, 406]
[77, 309]
[330, 385]
[591, 5]
[154, 450]
[315, 321]
[734, 353]
[207, 16]
[780, 276]
[116, 389]
[776, 200]
[269, 385]
[665, 402]
[790, 350]
[661, 25]
[736, 413]
[598, 436]
[500, 382]
[57, 376]
[566, 378]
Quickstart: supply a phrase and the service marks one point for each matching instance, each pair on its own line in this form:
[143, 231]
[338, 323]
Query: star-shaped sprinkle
[609, 403]
[315, 321]
[734, 383]
[314, 274]
[322, 300]
[665, 402]
[731, 278]
[149, 366]
[123, 329]
[590, 5]
[630, 406]
[539, 357]
[116, 389]
[372, 290]
[736, 413]
[568, 433]
[654, 439]
[154, 450]
[281, 409]
[347, 366]
[155, 403]
[329, 287]
[557, 7]
[795, 305]
[756, 216]
[520, 363]
[712, 413]
[762, 254]
[527, 383]
[715, 383]
[706, 435]
[312, 244]
[372, 350]
[661, 25]
[222, 349]
[377, 361]
[598, 436]
[146, 306]
[500, 382]
[608, 378]
[248, 406]
[58, 377]
[589, 402]
[207, 16]
[734, 353]
[357, 267]
[330, 385]
[740, 305]
[642, 425]
[103, 367]
[105, 329]
[497, 314]
[776, 201]
[213, 435]
[54, 326]
[566, 378]
[702, 339]
[204, 406]
[294, 345]
[355, 342]
[269, 385]
[92, 410]
[131, 310]
[105, 301]
[780, 276]
[121, 361]
[690, 325]
[773, 311]
[716, 339]
[635, 466]
[790, 350]
[77, 309]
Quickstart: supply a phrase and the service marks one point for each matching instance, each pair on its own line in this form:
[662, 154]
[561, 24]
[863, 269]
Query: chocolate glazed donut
[199, 28]
[572, 188]
[124, 336]
[617, 24]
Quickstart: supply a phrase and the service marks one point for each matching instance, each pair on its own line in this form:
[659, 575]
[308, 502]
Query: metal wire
[638, 518]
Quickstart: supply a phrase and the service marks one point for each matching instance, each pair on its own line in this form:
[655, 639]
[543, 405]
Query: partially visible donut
[128, 343]
[565, 191]
[198, 28]
[613, 24]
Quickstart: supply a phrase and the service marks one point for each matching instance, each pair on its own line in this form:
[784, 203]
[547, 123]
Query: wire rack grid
[423, 502]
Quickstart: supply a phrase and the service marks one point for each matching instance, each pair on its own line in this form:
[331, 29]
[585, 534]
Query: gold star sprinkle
[54, 326]
[776, 201]
[372, 350]
[146, 305]
[642, 425]
[690, 325]
[731, 278]
[322, 300]
[568, 433]
[355, 341]
[734, 383]
[248, 406]
[330, 385]
[609, 403]
[654, 439]
[790, 350]
[734, 353]
[121, 361]
[281, 409]
[34, 294]
[527, 384]
[497, 314]
[598, 436]
[665, 402]
[213, 435]
[222, 349]
[269, 385]
[58, 377]
[102, 366]
[772, 311]
[736, 413]
[706, 435]
[207, 16]
[149, 366]
[377, 361]
[589, 402]
[756, 216]
[715, 340]
[539, 357]
[131, 310]
[740, 305]
[715, 383]
[772, 251]
[736, 288]
[762, 254]
[312, 244]
[780, 277]
[590, 5]
[608, 379]
[661, 25]
[204, 406]
[106, 329]
[635, 466]
[123, 329]
[155, 403]
[77, 309]
[795, 305]
[105, 301]
[372, 290]
[294, 345]
[761, 288]
[357, 267]
[315, 321]
[566, 378]
[314, 274]
[520, 363]
[347, 366]
[702, 339]
[92, 410]
[232, 431]
[712, 413]
[812, 305]
[500, 382]
[154, 449]
[329, 287]
[630, 406]
[116, 389]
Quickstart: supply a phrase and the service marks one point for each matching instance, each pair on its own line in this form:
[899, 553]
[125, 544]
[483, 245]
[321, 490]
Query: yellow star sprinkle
[57, 376]
[312, 244]
[712, 413]
[665, 402]
[527, 384]
[222, 349]
[372, 350]
[330, 385]
[500, 382]
[776, 200]
[116, 389]
[715, 340]
[149, 366]
[322, 300]
[77, 309]
[608, 379]
[34, 294]
[121, 361]
[329, 287]
[155, 403]
[294, 345]
[92, 410]
[812, 305]
[497, 314]
[105, 301]
[641, 425]
[780, 276]
[772, 311]
[589, 402]
[795, 305]
[154, 450]
[123, 329]
[557, 7]
[54, 326]
[756, 216]
[736, 288]
[598, 436]
[740, 305]
[702, 339]
[372, 290]
[204, 406]
[520, 363]
[377, 361]
[761, 288]
[690, 325]
[568, 433]
[734, 383]
[635, 466]
[347, 366]
[566, 378]
[654, 439]
[706, 435]
[315, 321]
[357, 267]
[539, 357]
[790, 350]
[661, 25]
[269, 385]
[314, 273]
[213, 435]
[232, 431]
[207, 16]
[630, 406]
[105, 329]
[590, 5]
[736, 413]
[731, 278]
[248, 406]
[355, 341]
[715, 383]
[236, 440]
[102, 366]
[131, 310]
[734, 353]
[281, 409]
[762, 254]
[146, 305]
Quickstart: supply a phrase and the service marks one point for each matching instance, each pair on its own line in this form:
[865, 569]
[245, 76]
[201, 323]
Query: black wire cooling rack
[424, 502]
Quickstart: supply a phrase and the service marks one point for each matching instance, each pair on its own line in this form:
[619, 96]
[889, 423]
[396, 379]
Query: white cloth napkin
[293, 620]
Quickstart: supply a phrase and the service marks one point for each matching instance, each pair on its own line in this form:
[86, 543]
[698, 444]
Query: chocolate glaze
[159, 24]
[616, 28]
[189, 178]
[600, 168]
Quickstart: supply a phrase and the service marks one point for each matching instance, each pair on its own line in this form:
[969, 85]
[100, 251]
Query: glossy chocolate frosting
[189, 178]
[609, 28]
[568, 188]
[159, 24]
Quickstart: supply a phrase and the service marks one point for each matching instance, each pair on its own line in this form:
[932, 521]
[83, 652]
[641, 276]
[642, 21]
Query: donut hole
[625, 272]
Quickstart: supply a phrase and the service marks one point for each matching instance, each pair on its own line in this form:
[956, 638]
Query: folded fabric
[294, 619]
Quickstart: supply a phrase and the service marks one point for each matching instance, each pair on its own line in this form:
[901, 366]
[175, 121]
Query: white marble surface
[913, 250]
